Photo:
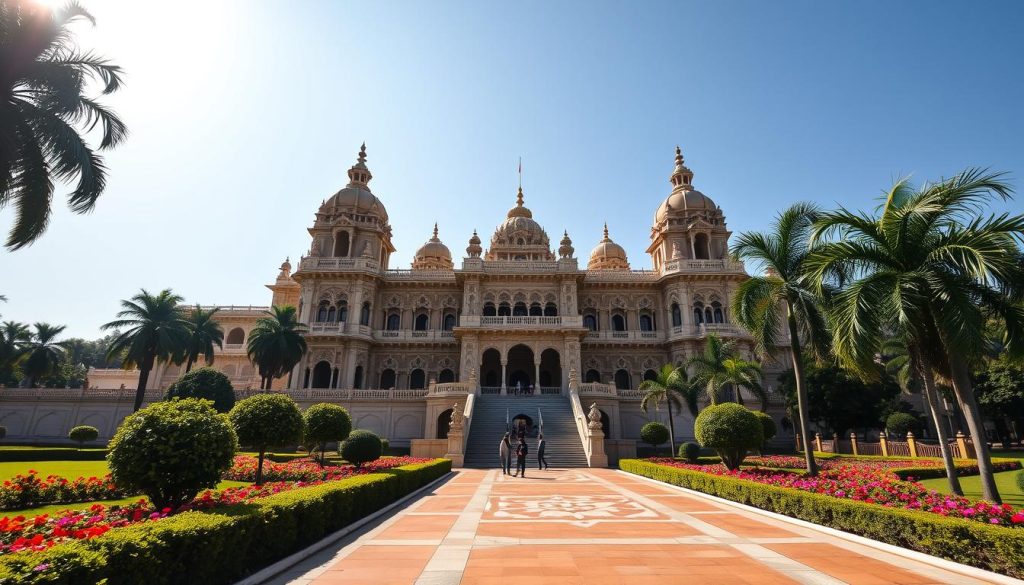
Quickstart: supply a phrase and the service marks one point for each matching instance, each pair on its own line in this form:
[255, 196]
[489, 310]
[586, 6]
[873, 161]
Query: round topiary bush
[83, 433]
[768, 427]
[205, 383]
[172, 450]
[361, 447]
[731, 430]
[384, 444]
[689, 451]
[326, 423]
[654, 434]
[266, 420]
[1020, 480]
[901, 423]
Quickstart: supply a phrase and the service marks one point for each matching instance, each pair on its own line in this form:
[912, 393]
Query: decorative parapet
[451, 389]
[521, 321]
[343, 394]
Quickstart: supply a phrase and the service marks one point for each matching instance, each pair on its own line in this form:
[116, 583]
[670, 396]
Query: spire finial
[435, 231]
[359, 175]
[362, 154]
[519, 197]
[606, 230]
[679, 156]
[681, 176]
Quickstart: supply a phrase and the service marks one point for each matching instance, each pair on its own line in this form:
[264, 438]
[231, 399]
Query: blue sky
[246, 115]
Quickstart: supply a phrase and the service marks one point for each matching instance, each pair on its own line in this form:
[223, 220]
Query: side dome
[684, 198]
[433, 255]
[356, 196]
[608, 255]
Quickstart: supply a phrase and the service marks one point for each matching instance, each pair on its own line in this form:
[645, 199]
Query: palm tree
[42, 353]
[13, 337]
[44, 114]
[276, 344]
[154, 330]
[719, 367]
[903, 361]
[204, 333]
[758, 301]
[928, 262]
[672, 387]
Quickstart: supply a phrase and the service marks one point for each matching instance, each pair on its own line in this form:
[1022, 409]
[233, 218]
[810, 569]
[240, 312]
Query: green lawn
[1006, 482]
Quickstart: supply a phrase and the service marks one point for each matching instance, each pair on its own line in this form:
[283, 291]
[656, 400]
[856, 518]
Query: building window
[341, 244]
[421, 322]
[449, 322]
[646, 323]
[519, 310]
[650, 375]
[236, 337]
[364, 315]
[590, 322]
[535, 310]
[330, 315]
[504, 310]
[717, 312]
[417, 379]
[592, 376]
[489, 310]
[677, 315]
[446, 376]
[550, 310]
[357, 382]
[394, 322]
[618, 322]
[343, 311]
[387, 379]
[321, 312]
[622, 381]
[698, 313]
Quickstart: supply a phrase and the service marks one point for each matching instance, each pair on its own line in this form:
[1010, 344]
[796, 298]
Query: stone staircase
[563, 445]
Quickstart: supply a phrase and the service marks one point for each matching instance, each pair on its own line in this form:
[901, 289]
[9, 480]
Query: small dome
[684, 197]
[433, 254]
[565, 249]
[608, 255]
[356, 196]
[474, 250]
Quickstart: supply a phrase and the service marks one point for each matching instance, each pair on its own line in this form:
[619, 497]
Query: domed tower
[474, 249]
[519, 237]
[608, 255]
[286, 290]
[353, 222]
[687, 225]
[433, 255]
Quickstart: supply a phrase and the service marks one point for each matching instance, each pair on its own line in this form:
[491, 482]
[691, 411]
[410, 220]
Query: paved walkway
[594, 527]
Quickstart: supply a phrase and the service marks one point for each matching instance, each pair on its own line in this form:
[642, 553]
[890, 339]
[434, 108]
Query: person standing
[521, 452]
[505, 455]
[542, 463]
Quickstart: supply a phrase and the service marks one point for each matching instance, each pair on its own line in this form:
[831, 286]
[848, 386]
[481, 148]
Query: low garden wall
[220, 545]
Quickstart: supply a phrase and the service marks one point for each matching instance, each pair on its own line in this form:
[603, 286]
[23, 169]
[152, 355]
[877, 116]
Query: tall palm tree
[153, 330]
[276, 344]
[204, 333]
[903, 360]
[672, 387]
[758, 301]
[42, 352]
[13, 337]
[928, 262]
[720, 367]
[44, 114]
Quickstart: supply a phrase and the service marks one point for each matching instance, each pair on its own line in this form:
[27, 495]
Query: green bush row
[993, 548]
[10, 454]
[222, 545]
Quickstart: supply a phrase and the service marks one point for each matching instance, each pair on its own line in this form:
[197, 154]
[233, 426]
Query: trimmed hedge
[994, 548]
[10, 454]
[222, 545]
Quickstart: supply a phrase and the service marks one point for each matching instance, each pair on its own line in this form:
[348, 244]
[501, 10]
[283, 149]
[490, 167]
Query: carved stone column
[598, 458]
[455, 430]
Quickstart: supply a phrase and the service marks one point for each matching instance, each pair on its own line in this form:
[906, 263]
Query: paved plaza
[594, 527]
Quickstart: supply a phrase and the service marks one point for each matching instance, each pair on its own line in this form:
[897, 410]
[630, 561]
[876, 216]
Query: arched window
[646, 322]
[331, 314]
[394, 321]
[489, 310]
[444, 423]
[622, 381]
[535, 310]
[341, 244]
[519, 310]
[504, 310]
[235, 337]
[417, 379]
[321, 312]
[357, 382]
[343, 311]
[590, 322]
[421, 322]
[717, 312]
[592, 376]
[364, 314]
[698, 313]
[677, 315]
[618, 322]
[387, 379]
[551, 310]
[701, 247]
[446, 376]
[449, 322]
[708, 315]
[650, 375]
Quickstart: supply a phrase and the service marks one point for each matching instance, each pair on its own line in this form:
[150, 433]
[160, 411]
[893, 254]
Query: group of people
[520, 390]
[508, 446]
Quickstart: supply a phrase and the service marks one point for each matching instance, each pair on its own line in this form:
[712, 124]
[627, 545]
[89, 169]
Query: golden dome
[433, 254]
[608, 255]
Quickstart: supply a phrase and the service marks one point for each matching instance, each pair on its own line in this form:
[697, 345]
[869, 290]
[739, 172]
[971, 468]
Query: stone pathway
[594, 527]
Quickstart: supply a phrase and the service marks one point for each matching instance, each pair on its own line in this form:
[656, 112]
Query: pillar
[536, 373]
[912, 444]
[961, 445]
[835, 442]
[350, 369]
[883, 444]
[853, 443]
[817, 442]
[504, 381]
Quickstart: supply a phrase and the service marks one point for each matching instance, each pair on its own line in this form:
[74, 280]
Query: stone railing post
[817, 442]
[961, 445]
[853, 443]
[883, 444]
[799, 447]
[911, 444]
[455, 437]
[598, 458]
[835, 443]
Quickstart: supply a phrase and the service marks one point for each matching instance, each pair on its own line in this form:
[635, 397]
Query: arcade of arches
[520, 368]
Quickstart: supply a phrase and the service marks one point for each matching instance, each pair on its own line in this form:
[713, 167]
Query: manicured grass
[1006, 482]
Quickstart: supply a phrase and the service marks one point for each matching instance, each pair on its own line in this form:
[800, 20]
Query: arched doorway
[235, 337]
[550, 369]
[387, 379]
[322, 375]
[446, 376]
[606, 424]
[520, 367]
[357, 381]
[417, 379]
[341, 244]
[622, 380]
[490, 369]
[592, 376]
[701, 247]
[522, 424]
[444, 423]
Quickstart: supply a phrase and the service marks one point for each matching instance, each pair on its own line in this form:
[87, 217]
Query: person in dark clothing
[542, 463]
[521, 452]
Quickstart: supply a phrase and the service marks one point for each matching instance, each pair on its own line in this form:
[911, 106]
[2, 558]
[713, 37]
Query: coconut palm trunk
[801, 391]
[932, 399]
[671, 431]
[140, 392]
[965, 394]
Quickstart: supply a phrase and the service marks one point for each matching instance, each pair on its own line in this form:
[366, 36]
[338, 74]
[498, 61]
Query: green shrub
[51, 454]
[172, 450]
[205, 383]
[326, 423]
[223, 545]
[361, 447]
[901, 423]
[731, 430]
[654, 434]
[768, 427]
[1020, 480]
[83, 434]
[384, 444]
[689, 451]
[994, 548]
[266, 420]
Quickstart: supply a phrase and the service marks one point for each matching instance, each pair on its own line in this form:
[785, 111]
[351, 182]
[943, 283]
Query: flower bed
[20, 533]
[305, 469]
[29, 490]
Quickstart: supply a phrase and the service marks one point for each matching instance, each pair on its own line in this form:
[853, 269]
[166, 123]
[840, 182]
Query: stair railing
[580, 417]
[540, 419]
[467, 414]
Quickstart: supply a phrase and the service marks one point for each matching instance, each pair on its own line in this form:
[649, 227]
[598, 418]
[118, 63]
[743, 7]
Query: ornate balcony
[407, 335]
[625, 336]
[521, 322]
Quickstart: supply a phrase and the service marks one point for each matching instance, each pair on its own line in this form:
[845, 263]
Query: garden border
[270, 571]
[961, 568]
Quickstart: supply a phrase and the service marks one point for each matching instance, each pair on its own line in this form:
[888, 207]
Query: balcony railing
[342, 394]
[407, 335]
[234, 348]
[650, 336]
[703, 266]
[521, 321]
[316, 263]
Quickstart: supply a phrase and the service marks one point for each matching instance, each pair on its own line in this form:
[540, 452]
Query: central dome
[433, 254]
[684, 199]
[356, 196]
[519, 237]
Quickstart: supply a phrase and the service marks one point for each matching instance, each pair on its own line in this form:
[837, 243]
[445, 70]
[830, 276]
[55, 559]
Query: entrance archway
[520, 366]
[321, 375]
[490, 369]
[444, 423]
[550, 369]
[522, 424]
